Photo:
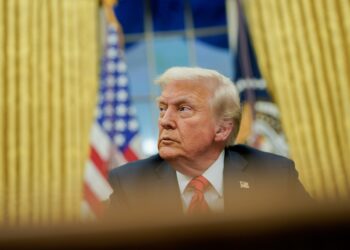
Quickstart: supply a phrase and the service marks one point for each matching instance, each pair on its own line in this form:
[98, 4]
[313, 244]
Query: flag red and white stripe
[114, 134]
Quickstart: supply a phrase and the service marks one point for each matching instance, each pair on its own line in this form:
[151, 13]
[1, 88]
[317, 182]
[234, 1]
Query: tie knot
[199, 183]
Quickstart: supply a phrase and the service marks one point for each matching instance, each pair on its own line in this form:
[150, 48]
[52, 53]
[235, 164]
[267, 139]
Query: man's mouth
[166, 139]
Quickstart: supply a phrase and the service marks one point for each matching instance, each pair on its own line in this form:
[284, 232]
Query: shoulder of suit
[250, 153]
[137, 166]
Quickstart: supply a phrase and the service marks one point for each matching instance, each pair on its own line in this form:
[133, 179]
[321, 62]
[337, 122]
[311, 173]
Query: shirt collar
[214, 174]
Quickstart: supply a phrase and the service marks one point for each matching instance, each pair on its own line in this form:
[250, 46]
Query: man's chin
[167, 154]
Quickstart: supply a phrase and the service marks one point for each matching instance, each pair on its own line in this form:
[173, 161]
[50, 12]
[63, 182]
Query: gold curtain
[303, 47]
[48, 83]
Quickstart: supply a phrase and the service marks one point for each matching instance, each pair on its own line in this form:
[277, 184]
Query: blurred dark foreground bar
[298, 227]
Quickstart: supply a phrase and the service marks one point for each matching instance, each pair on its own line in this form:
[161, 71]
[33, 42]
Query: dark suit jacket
[251, 178]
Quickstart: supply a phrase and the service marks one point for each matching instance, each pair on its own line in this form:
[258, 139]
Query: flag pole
[108, 7]
[232, 14]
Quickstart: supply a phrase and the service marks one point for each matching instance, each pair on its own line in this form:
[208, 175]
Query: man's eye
[184, 108]
[162, 109]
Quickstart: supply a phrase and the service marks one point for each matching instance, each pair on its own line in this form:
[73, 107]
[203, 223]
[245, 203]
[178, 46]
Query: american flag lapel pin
[244, 184]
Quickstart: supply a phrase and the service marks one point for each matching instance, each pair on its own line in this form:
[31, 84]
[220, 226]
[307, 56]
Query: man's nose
[167, 121]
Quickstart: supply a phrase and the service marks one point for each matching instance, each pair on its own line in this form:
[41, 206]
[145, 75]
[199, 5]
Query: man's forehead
[175, 98]
[185, 88]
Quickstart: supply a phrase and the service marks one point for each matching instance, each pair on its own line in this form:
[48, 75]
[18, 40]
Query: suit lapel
[167, 187]
[238, 184]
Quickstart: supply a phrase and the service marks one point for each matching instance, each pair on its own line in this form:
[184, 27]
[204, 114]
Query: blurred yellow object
[110, 3]
[48, 84]
[246, 124]
[303, 51]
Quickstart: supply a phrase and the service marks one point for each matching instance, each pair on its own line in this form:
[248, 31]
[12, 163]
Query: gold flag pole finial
[112, 19]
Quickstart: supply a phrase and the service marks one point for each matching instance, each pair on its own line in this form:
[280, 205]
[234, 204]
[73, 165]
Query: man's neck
[194, 167]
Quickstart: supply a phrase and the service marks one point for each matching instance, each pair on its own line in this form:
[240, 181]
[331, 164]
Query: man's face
[186, 121]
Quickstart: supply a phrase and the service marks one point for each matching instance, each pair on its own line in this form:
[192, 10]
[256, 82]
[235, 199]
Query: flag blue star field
[114, 135]
[261, 126]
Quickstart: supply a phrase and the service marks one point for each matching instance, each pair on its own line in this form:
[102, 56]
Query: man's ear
[223, 130]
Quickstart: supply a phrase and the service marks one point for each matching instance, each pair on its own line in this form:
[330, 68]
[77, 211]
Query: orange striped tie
[198, 203]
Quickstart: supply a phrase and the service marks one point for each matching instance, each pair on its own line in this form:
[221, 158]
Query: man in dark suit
[197, 170]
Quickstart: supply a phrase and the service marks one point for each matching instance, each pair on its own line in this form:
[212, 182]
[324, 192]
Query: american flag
[114, 135]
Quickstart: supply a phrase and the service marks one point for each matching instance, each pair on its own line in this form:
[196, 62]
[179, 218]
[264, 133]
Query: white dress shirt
[214, 194]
